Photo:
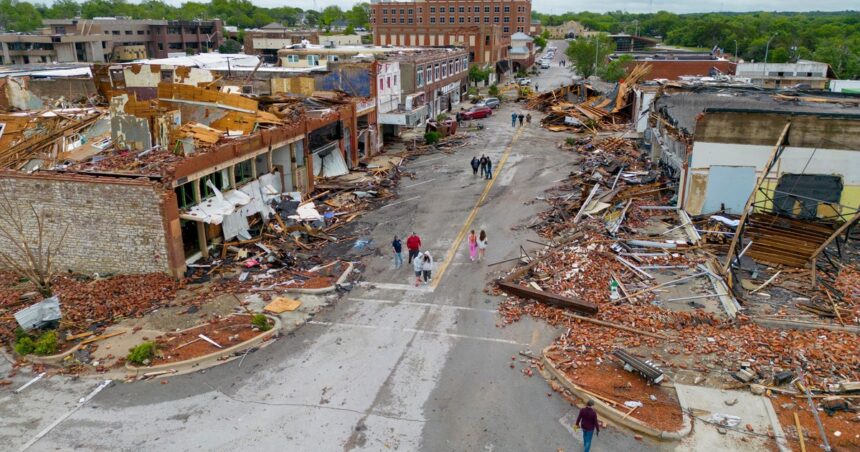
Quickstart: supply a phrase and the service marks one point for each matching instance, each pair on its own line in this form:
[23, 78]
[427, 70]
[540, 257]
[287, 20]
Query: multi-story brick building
[484, 27]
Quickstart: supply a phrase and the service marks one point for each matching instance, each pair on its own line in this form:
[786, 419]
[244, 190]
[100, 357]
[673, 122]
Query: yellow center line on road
[449, 256]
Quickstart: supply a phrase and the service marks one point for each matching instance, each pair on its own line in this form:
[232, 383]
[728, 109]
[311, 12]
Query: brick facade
[115, 225]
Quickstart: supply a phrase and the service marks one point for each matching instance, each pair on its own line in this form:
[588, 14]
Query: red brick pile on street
[581, 262]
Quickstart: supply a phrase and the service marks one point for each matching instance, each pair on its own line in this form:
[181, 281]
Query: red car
[475, 113]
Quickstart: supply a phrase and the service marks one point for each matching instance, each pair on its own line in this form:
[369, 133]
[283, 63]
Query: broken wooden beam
[548, 298]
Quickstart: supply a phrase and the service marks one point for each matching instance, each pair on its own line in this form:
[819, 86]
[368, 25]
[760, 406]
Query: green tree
[330, 15]
[358, 15]
[540, 42]
[63, 9]
[588, 54]
[478, 74]
[230, 46]
[616, 69]
[19, 16]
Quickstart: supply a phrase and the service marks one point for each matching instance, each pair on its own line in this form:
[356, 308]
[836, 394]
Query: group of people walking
[519, 116]
[422, 262]
[484, 164]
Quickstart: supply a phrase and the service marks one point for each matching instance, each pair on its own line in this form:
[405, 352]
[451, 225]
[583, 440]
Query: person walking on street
[537, 88]
[473, 245]
[529, 118]
[413, 244]
[482, 245]
[587, 420]
[418, 267]
[489, 168]
[427, 267]
[398, 249]
[521, 117]
[475, 164]
[513, 119]
[483, 164]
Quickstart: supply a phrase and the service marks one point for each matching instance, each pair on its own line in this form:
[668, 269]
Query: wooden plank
[835, 234]
[102, 337]
[548, 298]
[731, 253]
[615, 325]
[799, 432]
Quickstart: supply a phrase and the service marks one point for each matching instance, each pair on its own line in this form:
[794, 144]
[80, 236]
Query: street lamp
[766, 49]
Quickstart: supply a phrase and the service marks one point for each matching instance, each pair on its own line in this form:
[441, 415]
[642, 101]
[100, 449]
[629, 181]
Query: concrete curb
[322, 290]
[211, 359]
[617, 417]
[52, 360]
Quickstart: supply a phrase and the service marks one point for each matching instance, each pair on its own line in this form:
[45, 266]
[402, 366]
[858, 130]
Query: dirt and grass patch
[185, 345]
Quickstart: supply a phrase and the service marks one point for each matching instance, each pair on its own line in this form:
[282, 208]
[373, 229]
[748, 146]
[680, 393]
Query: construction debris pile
[577, 108]
[89, 304]
[628, 274]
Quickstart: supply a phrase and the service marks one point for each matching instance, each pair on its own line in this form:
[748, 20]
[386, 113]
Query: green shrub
[493, 90]
[570, 141]
[432, 137]
[473, 91]
[261, 321]
[20, 333]
[141, 353]
[46, 344]
[24, 346]
[441, 117]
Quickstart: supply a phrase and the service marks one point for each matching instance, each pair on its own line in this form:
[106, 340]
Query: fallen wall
[114, 225]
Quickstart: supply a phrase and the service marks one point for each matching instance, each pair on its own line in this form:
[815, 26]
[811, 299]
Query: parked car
[476, 112]
[492, 102]
[544, 64]
[524, 81]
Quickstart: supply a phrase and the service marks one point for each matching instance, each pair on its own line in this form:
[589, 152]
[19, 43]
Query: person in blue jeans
[398, 248]
[513, 119]
[587, 420]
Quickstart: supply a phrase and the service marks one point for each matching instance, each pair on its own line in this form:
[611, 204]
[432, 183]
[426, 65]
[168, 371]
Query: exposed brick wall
[115, 225]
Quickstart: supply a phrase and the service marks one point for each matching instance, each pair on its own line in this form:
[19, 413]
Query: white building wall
[388, 87]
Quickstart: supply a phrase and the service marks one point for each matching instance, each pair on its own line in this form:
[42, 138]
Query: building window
[411, 11]
[402, 20]
[450, 9]
[116, 32]
[218, 180]
[313, 60]
[420, 19]
[409, 21]
[402, 11]
[388, 81]
[292, 58]
[506, 29]
[385, 20]
[507, 9]
[521, 9]
[462, 19]
[444, 70]
[428, 75]
[140, 32]
[519, 28]
[243, 172]
[384, 11]
[185, 195]
[507, 19]
[486, 19]
[519, 19]
[419, 77]
[432, 20]
[461, 9]
[420, 10]
[496, 9]
[381, 84]
[436, 71]
[331, 58]
[496, 19]
[486, 9]
[432, 9]
[477, 19]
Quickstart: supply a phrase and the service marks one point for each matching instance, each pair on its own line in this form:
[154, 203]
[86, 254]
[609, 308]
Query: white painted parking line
[432, 305]
[27, 384]
[62, 418]
[400, 202]
[419, 183]
[413, 330]
[394, 286]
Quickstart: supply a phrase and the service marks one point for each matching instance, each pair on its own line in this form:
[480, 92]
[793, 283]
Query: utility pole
[736, 50]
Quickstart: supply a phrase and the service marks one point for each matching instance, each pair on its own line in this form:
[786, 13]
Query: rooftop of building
[683, 104]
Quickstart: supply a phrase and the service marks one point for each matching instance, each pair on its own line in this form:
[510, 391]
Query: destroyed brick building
[173, 166]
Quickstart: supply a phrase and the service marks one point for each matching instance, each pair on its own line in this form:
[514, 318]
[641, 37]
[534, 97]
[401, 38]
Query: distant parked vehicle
[492, 102]
[544, 64]
[524, 81]
[476, 112]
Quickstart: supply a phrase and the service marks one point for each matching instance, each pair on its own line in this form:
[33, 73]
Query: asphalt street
[388, 366]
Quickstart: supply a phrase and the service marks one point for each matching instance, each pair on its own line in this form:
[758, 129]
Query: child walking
[473, 245]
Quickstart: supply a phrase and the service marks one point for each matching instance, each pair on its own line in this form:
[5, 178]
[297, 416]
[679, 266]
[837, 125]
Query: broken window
[185, 195]
[244, 172]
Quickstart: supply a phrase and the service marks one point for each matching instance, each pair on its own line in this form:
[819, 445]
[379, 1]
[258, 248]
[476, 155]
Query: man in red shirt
[413, 244]
[587, 420]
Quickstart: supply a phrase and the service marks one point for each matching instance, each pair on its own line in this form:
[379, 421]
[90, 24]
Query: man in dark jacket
[413, 244]
[475, 164]
[587, 420]
[398, 248]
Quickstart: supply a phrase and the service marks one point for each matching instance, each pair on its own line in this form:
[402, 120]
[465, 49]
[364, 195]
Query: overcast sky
[641, 6]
